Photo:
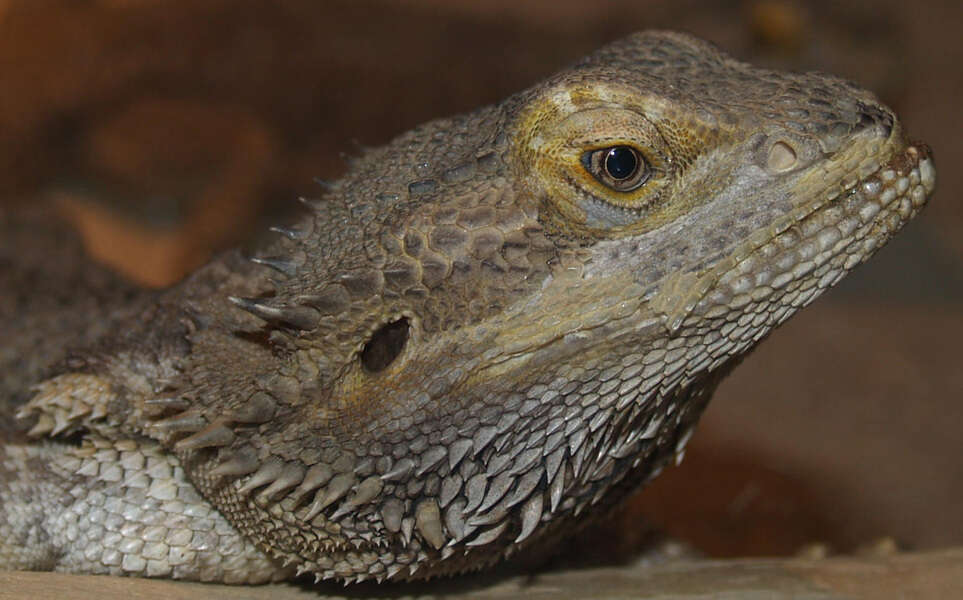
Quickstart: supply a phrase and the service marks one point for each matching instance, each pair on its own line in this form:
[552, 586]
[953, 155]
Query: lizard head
[679, 162]
[501, 319]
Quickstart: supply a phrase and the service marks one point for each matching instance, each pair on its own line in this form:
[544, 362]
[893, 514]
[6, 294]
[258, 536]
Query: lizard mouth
[883, 200]
[861, 219]
[891, 196]
[812, 251]
[811, 248]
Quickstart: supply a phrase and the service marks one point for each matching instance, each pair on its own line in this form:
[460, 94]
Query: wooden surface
[936, 574]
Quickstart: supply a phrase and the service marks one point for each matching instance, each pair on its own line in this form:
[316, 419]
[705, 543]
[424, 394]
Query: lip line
[910, 156]
[903, 163]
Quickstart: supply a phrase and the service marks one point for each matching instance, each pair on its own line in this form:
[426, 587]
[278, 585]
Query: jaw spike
[237, 464]
[289, 232]
[325, 184]
[304, 318]
[337, 488]
[45, 424]
[264, 311]
[214, 436]
[185, 422]
[311, 204]
[257, 409]
[279, 264]
[156, 407]
[315, 477]
[299, 317]
[291, 475]
[267, 473]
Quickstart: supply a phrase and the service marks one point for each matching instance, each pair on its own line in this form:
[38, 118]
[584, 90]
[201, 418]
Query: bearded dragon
[490, 329]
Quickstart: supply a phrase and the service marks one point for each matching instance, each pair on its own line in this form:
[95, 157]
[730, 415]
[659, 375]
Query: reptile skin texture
[487, 332]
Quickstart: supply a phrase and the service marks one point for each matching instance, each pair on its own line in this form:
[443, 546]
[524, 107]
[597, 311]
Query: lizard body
[486, 329]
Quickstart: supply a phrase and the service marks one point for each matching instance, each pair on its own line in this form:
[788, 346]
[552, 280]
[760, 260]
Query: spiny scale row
[473, 511]
[259, 408]
[65, 402]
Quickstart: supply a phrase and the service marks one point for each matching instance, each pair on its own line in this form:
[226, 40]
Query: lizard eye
[621, 168]
[385, 345]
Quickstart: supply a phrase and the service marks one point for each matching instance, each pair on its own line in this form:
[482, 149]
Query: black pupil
[621, 162]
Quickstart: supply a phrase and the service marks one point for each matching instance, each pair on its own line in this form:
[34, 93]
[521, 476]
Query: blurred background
[165, 130]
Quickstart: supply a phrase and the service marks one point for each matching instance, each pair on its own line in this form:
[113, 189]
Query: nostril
[887, 124]
[782, 157]
[871, 115]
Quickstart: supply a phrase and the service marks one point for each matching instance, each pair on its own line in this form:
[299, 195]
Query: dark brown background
[166, 129]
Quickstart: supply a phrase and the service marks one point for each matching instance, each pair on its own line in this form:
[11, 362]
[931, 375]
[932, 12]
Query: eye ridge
[621, 167]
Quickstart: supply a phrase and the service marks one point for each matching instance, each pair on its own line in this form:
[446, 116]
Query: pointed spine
[267, 473]
[258, 409]
[400, 470]
[326, 184]
[155, 407]
[316, 476]
[428, 522]
[325, 497]
[430, 459]
[531, 515]
[367, 491]
[489, 535]
[278, 263]
[189, 421]
[213, 436]
[459, 448]
[299, 317]
[291, 233]
[290, 476]
[237, 464]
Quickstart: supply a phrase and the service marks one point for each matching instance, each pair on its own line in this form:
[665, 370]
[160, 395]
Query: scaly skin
[474, 340]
